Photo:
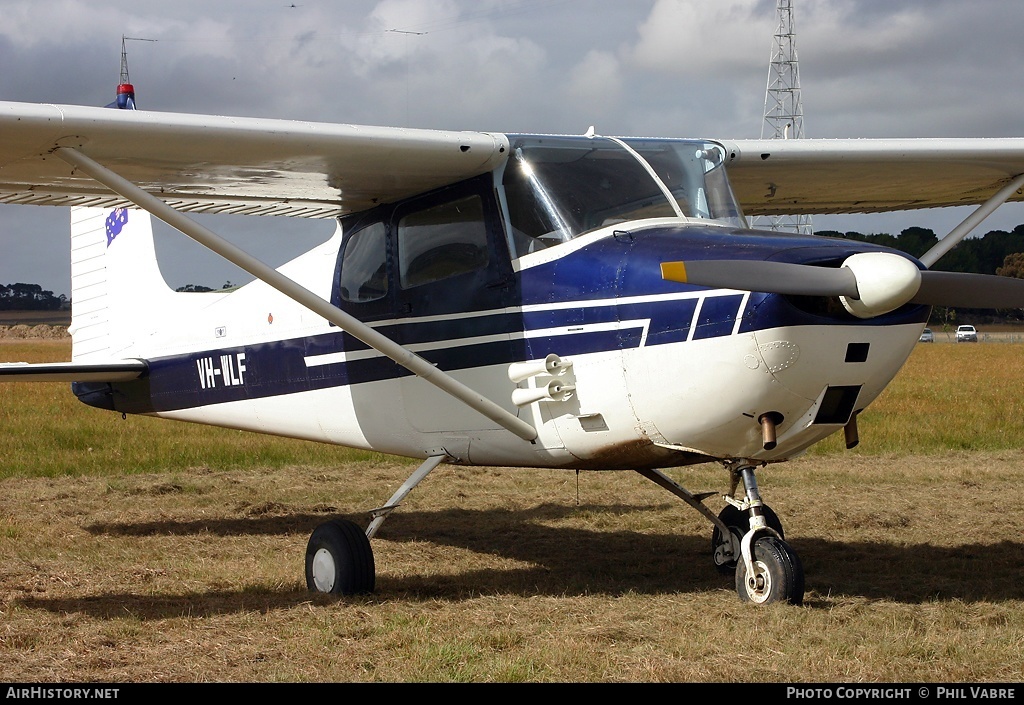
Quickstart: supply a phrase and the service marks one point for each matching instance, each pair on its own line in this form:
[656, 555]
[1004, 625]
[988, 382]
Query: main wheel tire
[339, 560]
[738, 522]
[778, 574]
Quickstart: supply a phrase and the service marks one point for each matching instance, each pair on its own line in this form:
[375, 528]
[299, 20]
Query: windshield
[557, 188]
[694, 172]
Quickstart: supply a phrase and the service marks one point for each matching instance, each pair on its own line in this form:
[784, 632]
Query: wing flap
[782, 177]
[119, 371]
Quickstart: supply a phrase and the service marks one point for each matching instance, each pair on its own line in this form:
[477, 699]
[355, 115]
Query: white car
[966, 334]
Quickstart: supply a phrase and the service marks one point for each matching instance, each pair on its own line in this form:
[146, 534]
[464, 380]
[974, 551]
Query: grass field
[143, 550]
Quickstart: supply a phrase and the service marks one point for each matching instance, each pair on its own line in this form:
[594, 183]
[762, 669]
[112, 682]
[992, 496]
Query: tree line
[997, 252]
[30, 297]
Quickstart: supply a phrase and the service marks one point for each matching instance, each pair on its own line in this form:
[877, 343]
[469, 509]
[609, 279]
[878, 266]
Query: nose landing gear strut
[768, 570]
[747, 539]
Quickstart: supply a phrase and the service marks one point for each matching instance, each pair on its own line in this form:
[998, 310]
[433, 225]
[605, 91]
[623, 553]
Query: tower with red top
[125, 90]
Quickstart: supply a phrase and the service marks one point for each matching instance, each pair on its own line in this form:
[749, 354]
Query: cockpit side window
[721, 200]
[442, 241]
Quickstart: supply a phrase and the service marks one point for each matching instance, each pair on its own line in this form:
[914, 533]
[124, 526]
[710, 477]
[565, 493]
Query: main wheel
[339, 560]
[738, 522]
[778, 574]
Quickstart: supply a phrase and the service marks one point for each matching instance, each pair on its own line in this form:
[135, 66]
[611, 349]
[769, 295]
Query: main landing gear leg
[768, 570]
[339, 559]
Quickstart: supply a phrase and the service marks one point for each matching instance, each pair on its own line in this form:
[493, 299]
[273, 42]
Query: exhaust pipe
[768, 423]
[851, 433]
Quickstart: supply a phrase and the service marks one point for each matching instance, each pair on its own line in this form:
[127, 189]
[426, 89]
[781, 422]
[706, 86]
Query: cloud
[596, 80]
[691, 36]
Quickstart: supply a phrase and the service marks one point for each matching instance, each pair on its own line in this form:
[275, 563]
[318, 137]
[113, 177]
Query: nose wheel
[767, 569]
[775, 575]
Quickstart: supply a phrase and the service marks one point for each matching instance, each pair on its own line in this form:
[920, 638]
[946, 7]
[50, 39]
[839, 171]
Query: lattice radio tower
[783, 106]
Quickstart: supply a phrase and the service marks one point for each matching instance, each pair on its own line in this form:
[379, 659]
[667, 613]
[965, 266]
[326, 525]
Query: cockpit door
[455, 295]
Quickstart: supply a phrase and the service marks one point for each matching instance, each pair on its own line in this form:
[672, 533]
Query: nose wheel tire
[738, 522]
[778, 575]
[339, 560]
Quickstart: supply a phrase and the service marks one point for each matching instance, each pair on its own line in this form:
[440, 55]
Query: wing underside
[200, 163]
[780, 177]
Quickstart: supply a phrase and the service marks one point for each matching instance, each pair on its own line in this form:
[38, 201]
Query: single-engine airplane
[569, 302]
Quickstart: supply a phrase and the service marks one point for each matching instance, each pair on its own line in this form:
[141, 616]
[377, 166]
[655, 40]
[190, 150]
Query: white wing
[282, 167]
[777, 177]
[231, 165]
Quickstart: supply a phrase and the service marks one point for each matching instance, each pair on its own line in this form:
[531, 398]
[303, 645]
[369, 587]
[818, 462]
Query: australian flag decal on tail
[115, 221]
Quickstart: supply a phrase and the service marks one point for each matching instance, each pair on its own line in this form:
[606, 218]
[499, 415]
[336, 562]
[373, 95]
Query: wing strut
[971, 222]
[407, 359]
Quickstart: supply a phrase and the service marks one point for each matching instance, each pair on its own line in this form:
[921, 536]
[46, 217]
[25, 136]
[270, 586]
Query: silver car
[927, 336]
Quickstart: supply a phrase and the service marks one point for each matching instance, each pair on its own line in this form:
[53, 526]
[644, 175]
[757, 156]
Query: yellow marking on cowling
[674, 271]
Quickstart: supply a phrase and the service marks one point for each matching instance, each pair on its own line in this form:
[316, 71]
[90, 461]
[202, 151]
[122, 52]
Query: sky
[666, 68]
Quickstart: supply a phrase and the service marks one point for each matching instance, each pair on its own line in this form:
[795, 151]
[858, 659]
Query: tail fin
[116, 284]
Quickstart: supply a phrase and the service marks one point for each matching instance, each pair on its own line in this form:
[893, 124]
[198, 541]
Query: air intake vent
[857, 352]
[837, 405]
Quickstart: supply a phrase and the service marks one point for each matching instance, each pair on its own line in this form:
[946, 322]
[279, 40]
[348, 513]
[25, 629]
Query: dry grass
[193, 572]
[497, 575]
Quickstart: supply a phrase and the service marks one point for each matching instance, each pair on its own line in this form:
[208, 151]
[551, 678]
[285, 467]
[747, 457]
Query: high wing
[200, 163]
[808, 176]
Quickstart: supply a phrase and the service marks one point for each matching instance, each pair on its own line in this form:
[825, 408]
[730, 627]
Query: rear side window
[441, 242]
[364, 272]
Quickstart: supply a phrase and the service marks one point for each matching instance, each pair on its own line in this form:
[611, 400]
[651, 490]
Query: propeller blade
[759, 275]
[868, 284]
[969, 290]
[861, 277]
